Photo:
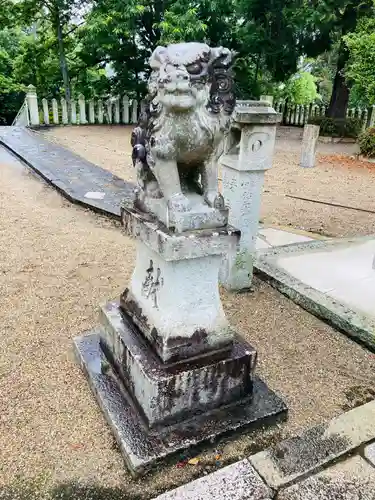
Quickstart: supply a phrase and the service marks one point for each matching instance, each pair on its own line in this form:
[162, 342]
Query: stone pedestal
[166, 367]
[248, 155]
[173, 296]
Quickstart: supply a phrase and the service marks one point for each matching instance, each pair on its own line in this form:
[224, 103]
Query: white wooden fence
[123, 110]
[298, 115]
[80, 112]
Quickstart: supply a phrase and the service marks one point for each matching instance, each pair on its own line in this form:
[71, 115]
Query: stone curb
[354, 323]
[72, 176]
[297, 457]
[238, 481]
[289, 462]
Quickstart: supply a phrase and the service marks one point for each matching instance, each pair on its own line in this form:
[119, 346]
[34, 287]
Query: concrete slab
[353, 479]
[333, 279]
[369, 453]
[238, 481]
[278, 237]
[294, 458]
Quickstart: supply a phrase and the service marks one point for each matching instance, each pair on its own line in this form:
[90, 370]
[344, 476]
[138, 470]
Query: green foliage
[360, 69]
[337, 127]
[181, 25]
[11, 90]
[301, 88]
[367, 142]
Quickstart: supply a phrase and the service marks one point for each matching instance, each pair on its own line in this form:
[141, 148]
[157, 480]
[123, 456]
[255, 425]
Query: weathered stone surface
[177, 142]
[167, 393]
[238, 481]
[369, 453]
[353, 479]
[173, 296]
[256, 112]
[70, 174]
[318, 446]
[200, 215]
[174, 246]
[309, 144]
[249, 152]
[142, 448]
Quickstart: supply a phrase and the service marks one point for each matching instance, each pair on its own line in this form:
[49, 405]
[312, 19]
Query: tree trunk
[63, 63]
[285, 111]
[340, 93]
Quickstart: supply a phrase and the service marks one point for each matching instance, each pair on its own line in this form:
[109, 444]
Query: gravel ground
[58, 262]
[336, 179]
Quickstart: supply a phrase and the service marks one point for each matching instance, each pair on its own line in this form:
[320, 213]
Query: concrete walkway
[75, 178]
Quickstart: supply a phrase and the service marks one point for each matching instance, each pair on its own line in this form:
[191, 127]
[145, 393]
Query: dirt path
[57, 263]
[336, 178]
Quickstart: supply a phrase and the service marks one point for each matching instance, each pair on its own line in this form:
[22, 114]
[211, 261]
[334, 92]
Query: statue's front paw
[214, 199]
[179, 203]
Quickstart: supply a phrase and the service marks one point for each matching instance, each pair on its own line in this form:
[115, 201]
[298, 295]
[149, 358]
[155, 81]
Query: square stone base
[167, 393]
[143, 447]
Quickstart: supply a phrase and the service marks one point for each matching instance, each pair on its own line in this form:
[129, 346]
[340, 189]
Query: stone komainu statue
[176, 143]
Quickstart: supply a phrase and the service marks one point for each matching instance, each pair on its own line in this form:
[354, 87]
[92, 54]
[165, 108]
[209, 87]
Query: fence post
[125, 109]
[64, 111]
[91, 111]
[32, 103]
[82, 109]
[117, 110]
[364, 119]
[45, 111]
[372, 117]
[73, 112]
[134, 111]
[109, 110]
[100, 111]
[55, 112]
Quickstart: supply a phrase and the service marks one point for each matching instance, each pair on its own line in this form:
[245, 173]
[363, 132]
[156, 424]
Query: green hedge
[367, 142]
[337, 127]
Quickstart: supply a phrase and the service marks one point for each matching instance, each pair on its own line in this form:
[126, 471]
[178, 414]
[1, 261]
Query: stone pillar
[249, 152]
[32, 104]
[309, 144]
[267, 98]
